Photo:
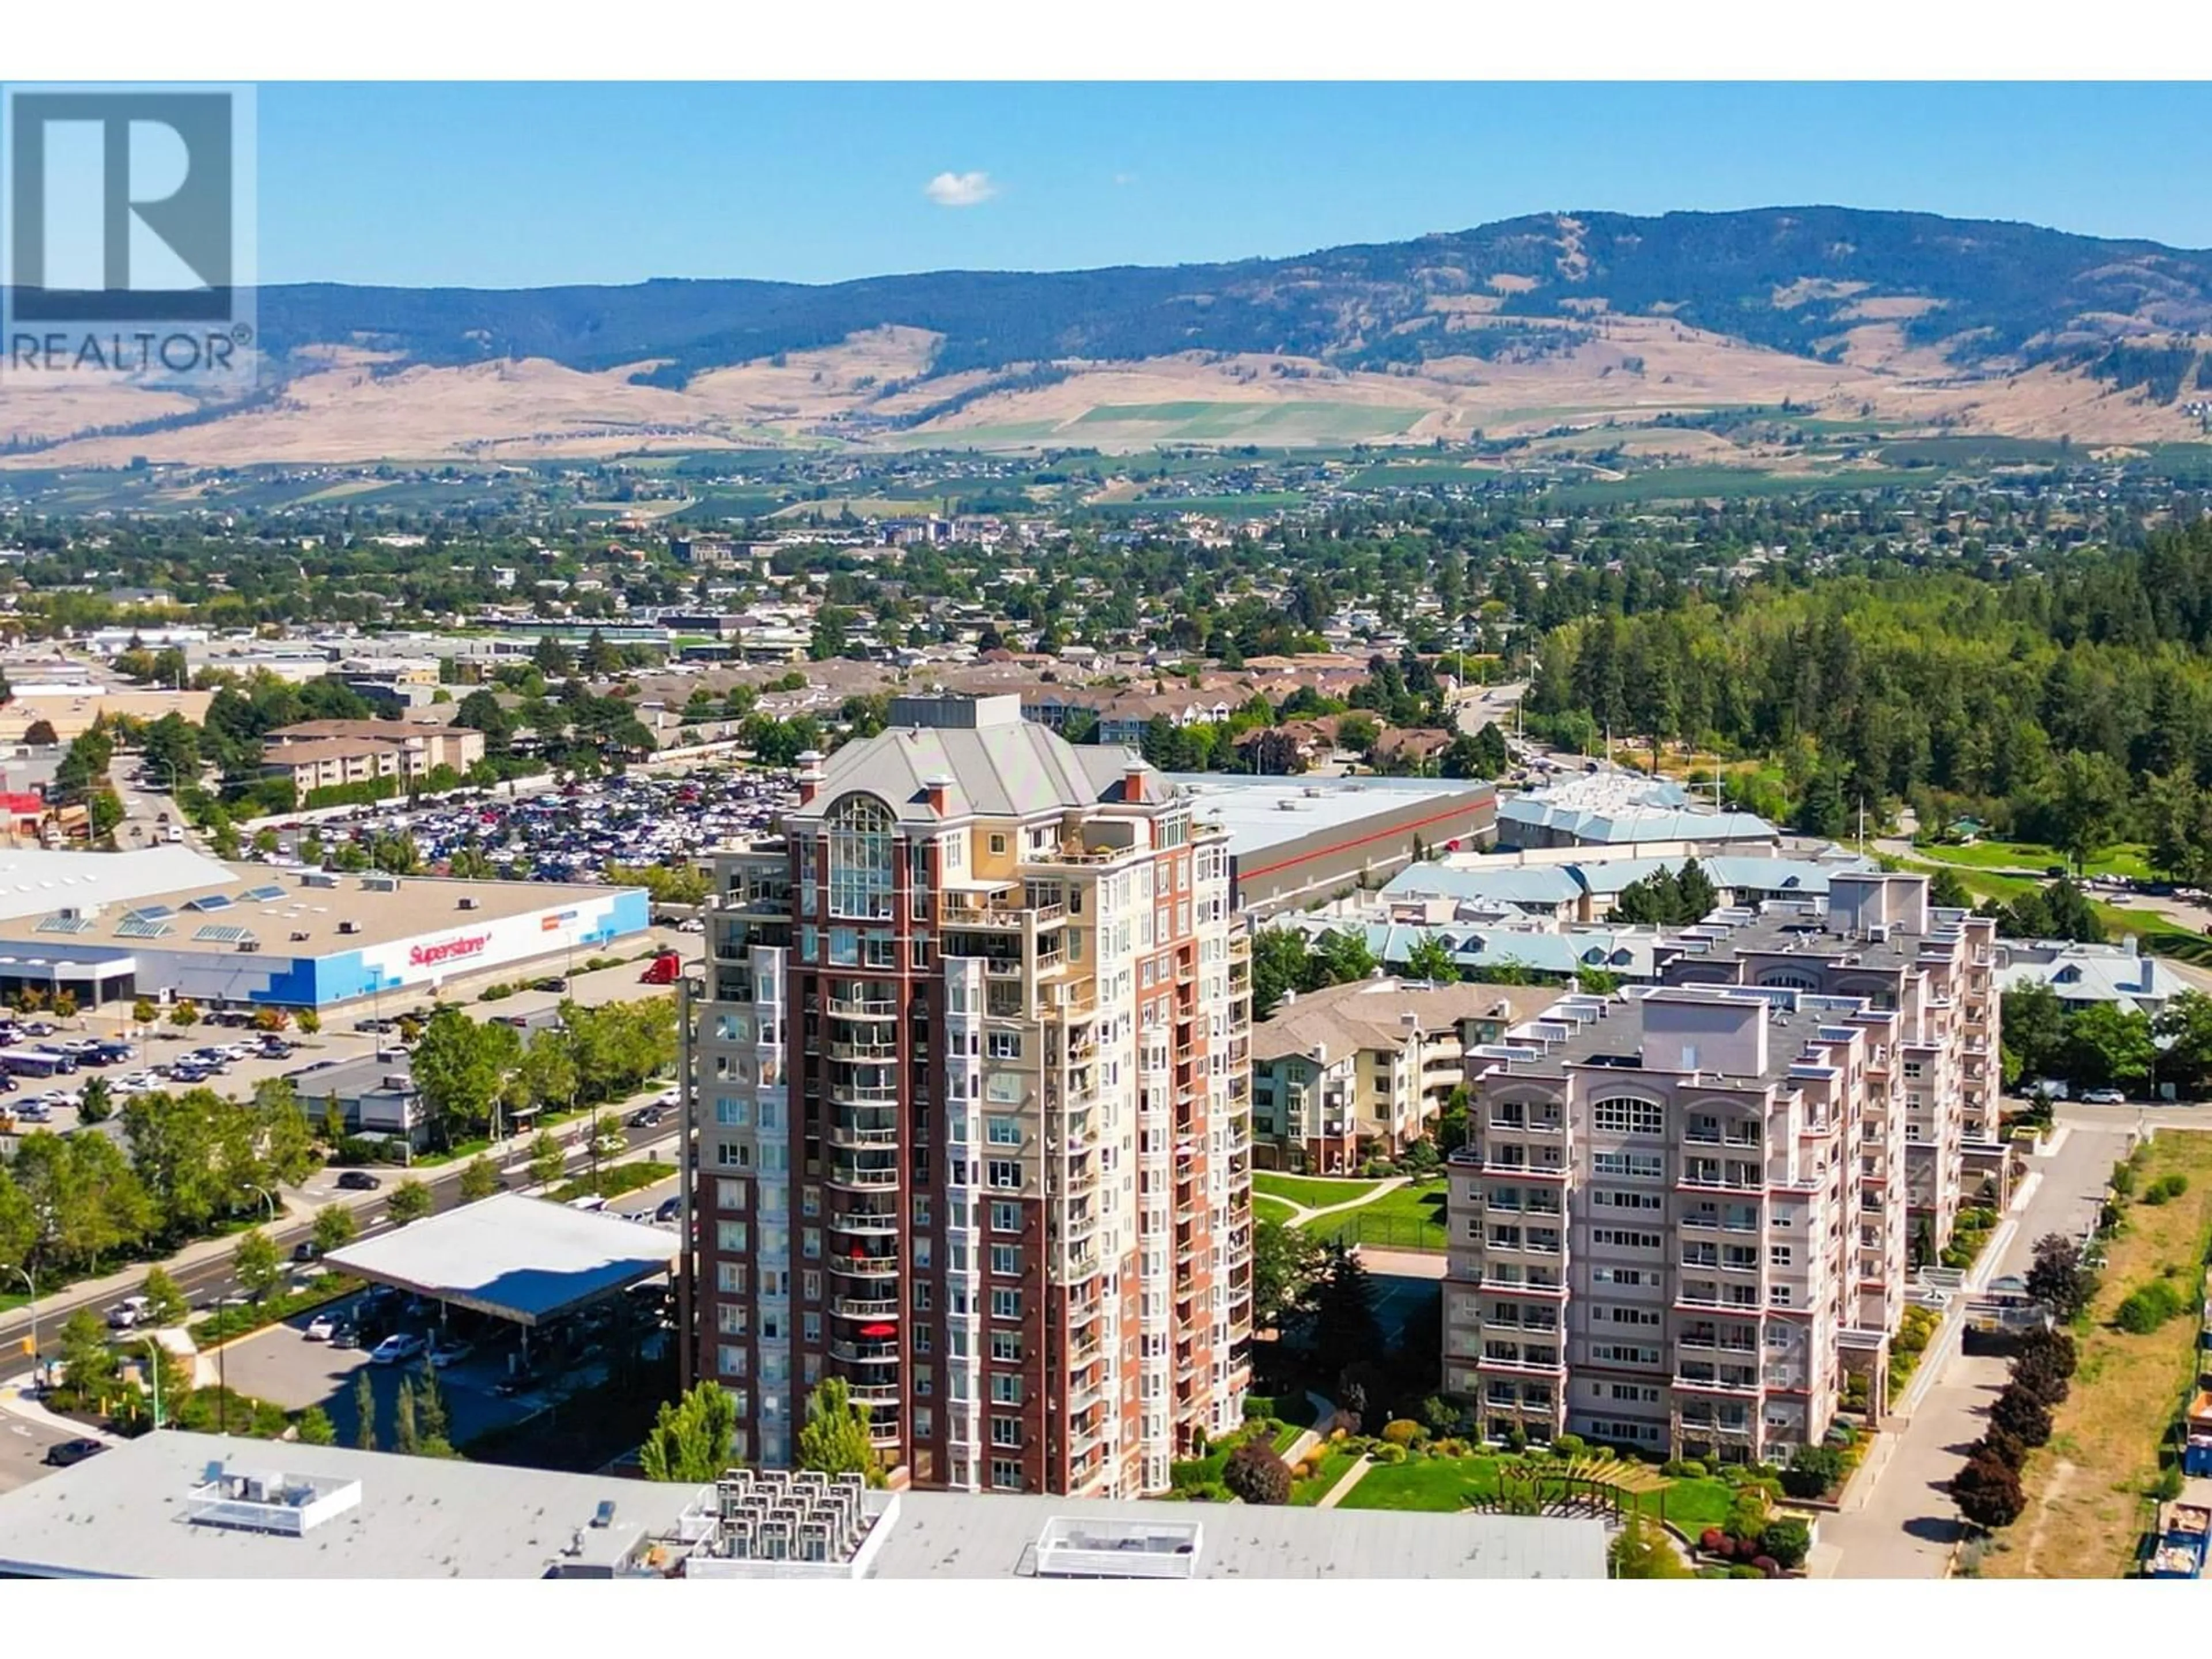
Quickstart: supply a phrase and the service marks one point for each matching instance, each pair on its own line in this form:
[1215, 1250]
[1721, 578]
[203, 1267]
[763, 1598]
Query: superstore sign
[447, 950]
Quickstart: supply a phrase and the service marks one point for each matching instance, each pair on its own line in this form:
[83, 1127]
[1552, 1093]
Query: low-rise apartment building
[1671, 1227]
[320, 754]
[1363, 1070]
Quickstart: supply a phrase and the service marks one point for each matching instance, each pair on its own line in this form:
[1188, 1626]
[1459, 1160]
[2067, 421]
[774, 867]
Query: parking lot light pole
[154, 1375]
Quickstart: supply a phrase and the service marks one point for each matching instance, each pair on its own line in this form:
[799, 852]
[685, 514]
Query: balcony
[1548, 1290]
[854, 1178]
[869, 1222]
[875, 1393]
[870, 1264]
[1522, 1367]
[864, 1354]
[1717, 1379]
[857, 1008]
[851, 1307]
[855, 1130]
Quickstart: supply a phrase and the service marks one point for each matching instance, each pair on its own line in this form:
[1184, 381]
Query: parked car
[671, 1209]
[71, 1453]
[2104, 1097]
[550, 982]
[645, 1117]
[344, 1334]
[306, 1250]
[399, 1346]
[450, 1353]
[357, 1181]
[321, 1328]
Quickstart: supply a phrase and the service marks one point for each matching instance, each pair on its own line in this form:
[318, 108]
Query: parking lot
[573, 834]
[23, 1449]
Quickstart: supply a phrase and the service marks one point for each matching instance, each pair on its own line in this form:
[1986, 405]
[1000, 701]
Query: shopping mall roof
[195, 901]
[34, 880]
[1259, 812]
[528, 1260]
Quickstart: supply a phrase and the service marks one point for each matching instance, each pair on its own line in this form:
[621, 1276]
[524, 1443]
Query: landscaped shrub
[2053, 1347]
[1569, 1446]
[1988, 1493]
[2171, 1481]
[2039, 1379]
[1389, 1453]
[2143, 1311]
[1403, 1431]
[1744, 1569]
[1683, 1468]
[1787, 1541]
[1811, 1470]
[1254, 1474]
[1713, 1541]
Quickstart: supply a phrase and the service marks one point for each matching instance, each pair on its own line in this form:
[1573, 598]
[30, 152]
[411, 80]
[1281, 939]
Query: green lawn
[1308, 1190]
[1409, 1218]
[2126, 858]
[1264, 1208]
[1446, 1484]
[1287, 1437]
[1438, 1485]
[1304, 1494]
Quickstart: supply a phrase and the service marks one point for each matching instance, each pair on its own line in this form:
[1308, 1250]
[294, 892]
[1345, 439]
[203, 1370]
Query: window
[1003, 1131]
[729, 1194]
[1003, 1045]
[1005, 1345]
[1779, 1296]
[998, 844]
[1622, 1239]
[809, 1328]
[1006, 1260]
[1004, 1173]
[1005, 1389]
[861, 836]
[1606, 1199]
[730, 1361]
[730, 1236]
[1006, 1304]
[1622, 1276]
[1006, 1218]
[1626, 1116]
[1005, 1474]
[1624, 1315]
[1006, 1431]
[1636, 1166]
[1779, 1255]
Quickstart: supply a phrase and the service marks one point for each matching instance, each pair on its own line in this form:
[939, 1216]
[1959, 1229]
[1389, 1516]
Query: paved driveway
[1906, 1524]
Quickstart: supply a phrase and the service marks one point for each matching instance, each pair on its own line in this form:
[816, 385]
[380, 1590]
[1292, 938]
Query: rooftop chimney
[938, 789]
[810, 775]
[1132, 784]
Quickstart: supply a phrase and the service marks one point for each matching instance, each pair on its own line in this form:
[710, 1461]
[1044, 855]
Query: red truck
[663, 970]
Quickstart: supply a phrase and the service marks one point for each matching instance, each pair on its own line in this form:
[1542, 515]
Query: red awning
[879, 1330]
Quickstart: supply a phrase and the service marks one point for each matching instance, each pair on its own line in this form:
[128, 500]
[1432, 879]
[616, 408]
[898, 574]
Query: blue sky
[516, 185]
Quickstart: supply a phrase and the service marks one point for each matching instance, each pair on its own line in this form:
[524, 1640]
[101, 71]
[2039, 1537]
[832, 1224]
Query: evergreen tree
[1344, 1330]
[364, 1412]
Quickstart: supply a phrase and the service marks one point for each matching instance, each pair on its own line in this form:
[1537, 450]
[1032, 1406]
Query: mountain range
[1550, 320]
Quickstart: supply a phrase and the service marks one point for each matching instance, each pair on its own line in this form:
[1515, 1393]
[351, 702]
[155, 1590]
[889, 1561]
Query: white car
[321, 1328]
[400, 1346]
[450, 1353]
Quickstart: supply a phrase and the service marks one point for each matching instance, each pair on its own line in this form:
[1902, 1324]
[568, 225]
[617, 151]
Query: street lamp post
[31, 1285]
[154, 1375]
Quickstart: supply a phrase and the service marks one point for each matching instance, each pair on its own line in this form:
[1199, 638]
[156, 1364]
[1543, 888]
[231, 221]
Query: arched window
[1791, 981]
[861, 836]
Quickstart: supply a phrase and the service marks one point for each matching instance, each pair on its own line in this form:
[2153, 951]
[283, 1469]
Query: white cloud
[1124, 178]
[958, 190]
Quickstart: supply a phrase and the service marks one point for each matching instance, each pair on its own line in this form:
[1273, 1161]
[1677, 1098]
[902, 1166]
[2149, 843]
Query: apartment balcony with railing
[873, 1219]
[1716, 1379]
[882, 1262]
[870, 1308]
[863, 1172]
[854, 1128]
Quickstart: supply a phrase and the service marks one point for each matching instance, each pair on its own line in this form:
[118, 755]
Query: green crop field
[1693, 483]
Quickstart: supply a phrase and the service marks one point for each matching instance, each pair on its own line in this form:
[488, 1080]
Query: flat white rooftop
[1259, 812]
[525, 1259]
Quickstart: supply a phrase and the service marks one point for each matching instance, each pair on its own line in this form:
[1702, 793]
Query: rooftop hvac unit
[247, 946]
[471, 902]
[349, 926]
